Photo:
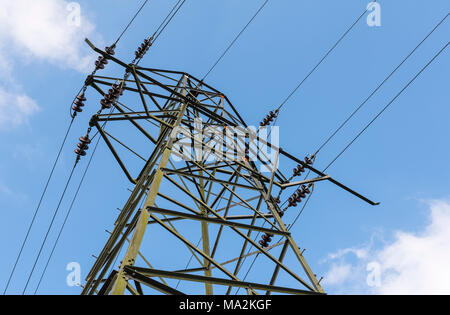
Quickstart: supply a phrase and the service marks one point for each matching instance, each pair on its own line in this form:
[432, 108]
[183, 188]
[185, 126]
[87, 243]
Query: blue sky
[402, 161]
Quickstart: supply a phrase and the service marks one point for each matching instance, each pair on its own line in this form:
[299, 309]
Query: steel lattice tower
[182, 199]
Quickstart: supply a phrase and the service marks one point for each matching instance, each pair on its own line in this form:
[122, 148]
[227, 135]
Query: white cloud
[338, 274]
[5, 190]
[5, 67]
[15, 109]
[40, 30]
[360, 253]
[413, 263]
[37, 31]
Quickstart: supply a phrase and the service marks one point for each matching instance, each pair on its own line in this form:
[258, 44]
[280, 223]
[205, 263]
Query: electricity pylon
[183, 124]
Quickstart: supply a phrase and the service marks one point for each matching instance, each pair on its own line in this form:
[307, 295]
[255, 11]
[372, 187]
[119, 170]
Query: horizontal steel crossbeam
[225, 282]
[216, 221]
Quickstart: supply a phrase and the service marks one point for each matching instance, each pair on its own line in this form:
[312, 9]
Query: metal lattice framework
[183, 199]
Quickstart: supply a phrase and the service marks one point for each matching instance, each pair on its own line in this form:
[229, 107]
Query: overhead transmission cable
[49, 228]
[377, 89]
[38, 207]
[84, 87]
[67, 215]
[56, 162]
[248, 271]
[130, 23]
[235, 40]
[159, 31]
[283, 103]
[327, 54]
[379, 86]
[387, 106]
[54, 217]
[168, 19]
[370, 123]
[359, 107]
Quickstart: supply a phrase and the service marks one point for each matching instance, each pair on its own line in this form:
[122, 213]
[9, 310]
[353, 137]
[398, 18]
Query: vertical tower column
[120, 283]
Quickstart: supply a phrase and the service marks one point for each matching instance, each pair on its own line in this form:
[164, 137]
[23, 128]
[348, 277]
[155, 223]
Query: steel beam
[218, 281]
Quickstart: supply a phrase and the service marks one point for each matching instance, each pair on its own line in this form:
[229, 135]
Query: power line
[318, 64]
[38, 206]
[57, 210]
[168, 15]
[373, 120]
[54, 166]
[82, 180]
[171, 15]
[302, 82]
[248, 271]
[85, 86]
[370, 123]
[55, 163]
[131, 22]
[235, 39]
[189, 262]
[380, 85]
[373, 93]
[68, 214]
[83, 177]
[323, 59]
[49, 228]
[301, 211]
[386, 107]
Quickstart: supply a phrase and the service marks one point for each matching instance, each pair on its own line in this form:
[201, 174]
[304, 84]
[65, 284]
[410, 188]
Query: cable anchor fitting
[269, 118]
[113, 95]
[265, 240]
[83, 146]
[145, 46]
[110, 50]
[79, 103]
[299, 195]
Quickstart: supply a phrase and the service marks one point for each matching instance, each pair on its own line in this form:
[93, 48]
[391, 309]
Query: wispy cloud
[36, 31]
[40, 30]
[15, 109]
[5, 190]
[413, 263]
[338, 274]
[360, 253]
